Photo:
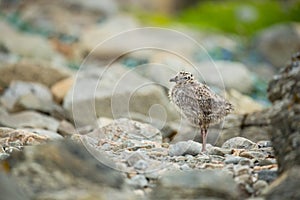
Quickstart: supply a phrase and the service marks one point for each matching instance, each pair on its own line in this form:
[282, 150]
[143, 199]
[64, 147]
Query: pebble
[238, 143]
[252, 154]
[241, 169]
[141, 165]
[219, 151]
[184, 148]
[3, 156]
[232, 159]
[185, 167]
[138, 181]
[245, 161]
[135, 157]
[264, 143]
[259, 186]
[267, 175]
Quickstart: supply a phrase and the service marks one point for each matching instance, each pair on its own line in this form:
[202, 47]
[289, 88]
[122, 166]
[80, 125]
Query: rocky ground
[106, 130]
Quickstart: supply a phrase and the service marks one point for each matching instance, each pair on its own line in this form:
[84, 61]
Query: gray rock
[90, 12]
[106, 7]
[232, 159]
[9, 188]
[27, 95]
[138, 181]
[123, 44]
[122, 130]
[64, 166]
[195, 185]
[185, 167]
[286, 186]
[278, 42]
[118, 93]
[26, 45]
[253, 126]
[32, 71]
[219, 151]
[184, 148]
[264, 144]
[241, 170]
[284, 91]
[14, 139]
[253, 154]
[267, 175]
[141, 165]
[49, 134]
[238, 143]
[242, 83]
[29, 119]
[3, 156]
[259, 186]
[246, 161]
[65, 128]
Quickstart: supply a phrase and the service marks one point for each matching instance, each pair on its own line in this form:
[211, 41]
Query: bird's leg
[204, 136]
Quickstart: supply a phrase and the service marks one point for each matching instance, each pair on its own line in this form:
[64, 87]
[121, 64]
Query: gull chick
[198, 103]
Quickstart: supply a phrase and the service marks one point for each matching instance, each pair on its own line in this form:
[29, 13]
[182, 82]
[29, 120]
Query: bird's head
[182, 77]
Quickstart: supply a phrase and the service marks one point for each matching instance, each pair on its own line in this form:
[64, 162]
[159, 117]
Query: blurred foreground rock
[65, 171]
[284, 92]
[196, 185]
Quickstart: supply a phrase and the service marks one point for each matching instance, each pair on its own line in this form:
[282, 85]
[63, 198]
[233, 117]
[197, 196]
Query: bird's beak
[172, 80]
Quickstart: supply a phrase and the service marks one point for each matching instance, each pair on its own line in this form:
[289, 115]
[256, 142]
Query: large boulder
[121, 36]
[222, 75]
[32, 71]
[65, 170]
[77, 15]
[284, 92]
[286, 186]
[27, 45]
[278, 42]
[115, 92]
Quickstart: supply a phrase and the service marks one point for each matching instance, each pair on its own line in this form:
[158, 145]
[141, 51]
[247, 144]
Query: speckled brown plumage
[198, 103]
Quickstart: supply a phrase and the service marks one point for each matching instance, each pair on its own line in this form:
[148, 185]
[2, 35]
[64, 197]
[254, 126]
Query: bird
[198, 103]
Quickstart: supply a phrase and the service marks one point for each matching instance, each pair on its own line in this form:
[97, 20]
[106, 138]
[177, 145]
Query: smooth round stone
[138, 181]
[232, 159]
[244, 178]
[246, 161]
[184, 148]
[3, 156]
[238, 143]
[259, 186]
[219, 151]
[180, 158]
[241, 169]
[185, 167]
[141, 165]
[216, 158]
[265, 162]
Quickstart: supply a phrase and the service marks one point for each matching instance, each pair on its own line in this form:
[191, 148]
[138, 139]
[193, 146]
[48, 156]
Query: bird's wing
[210, 102]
